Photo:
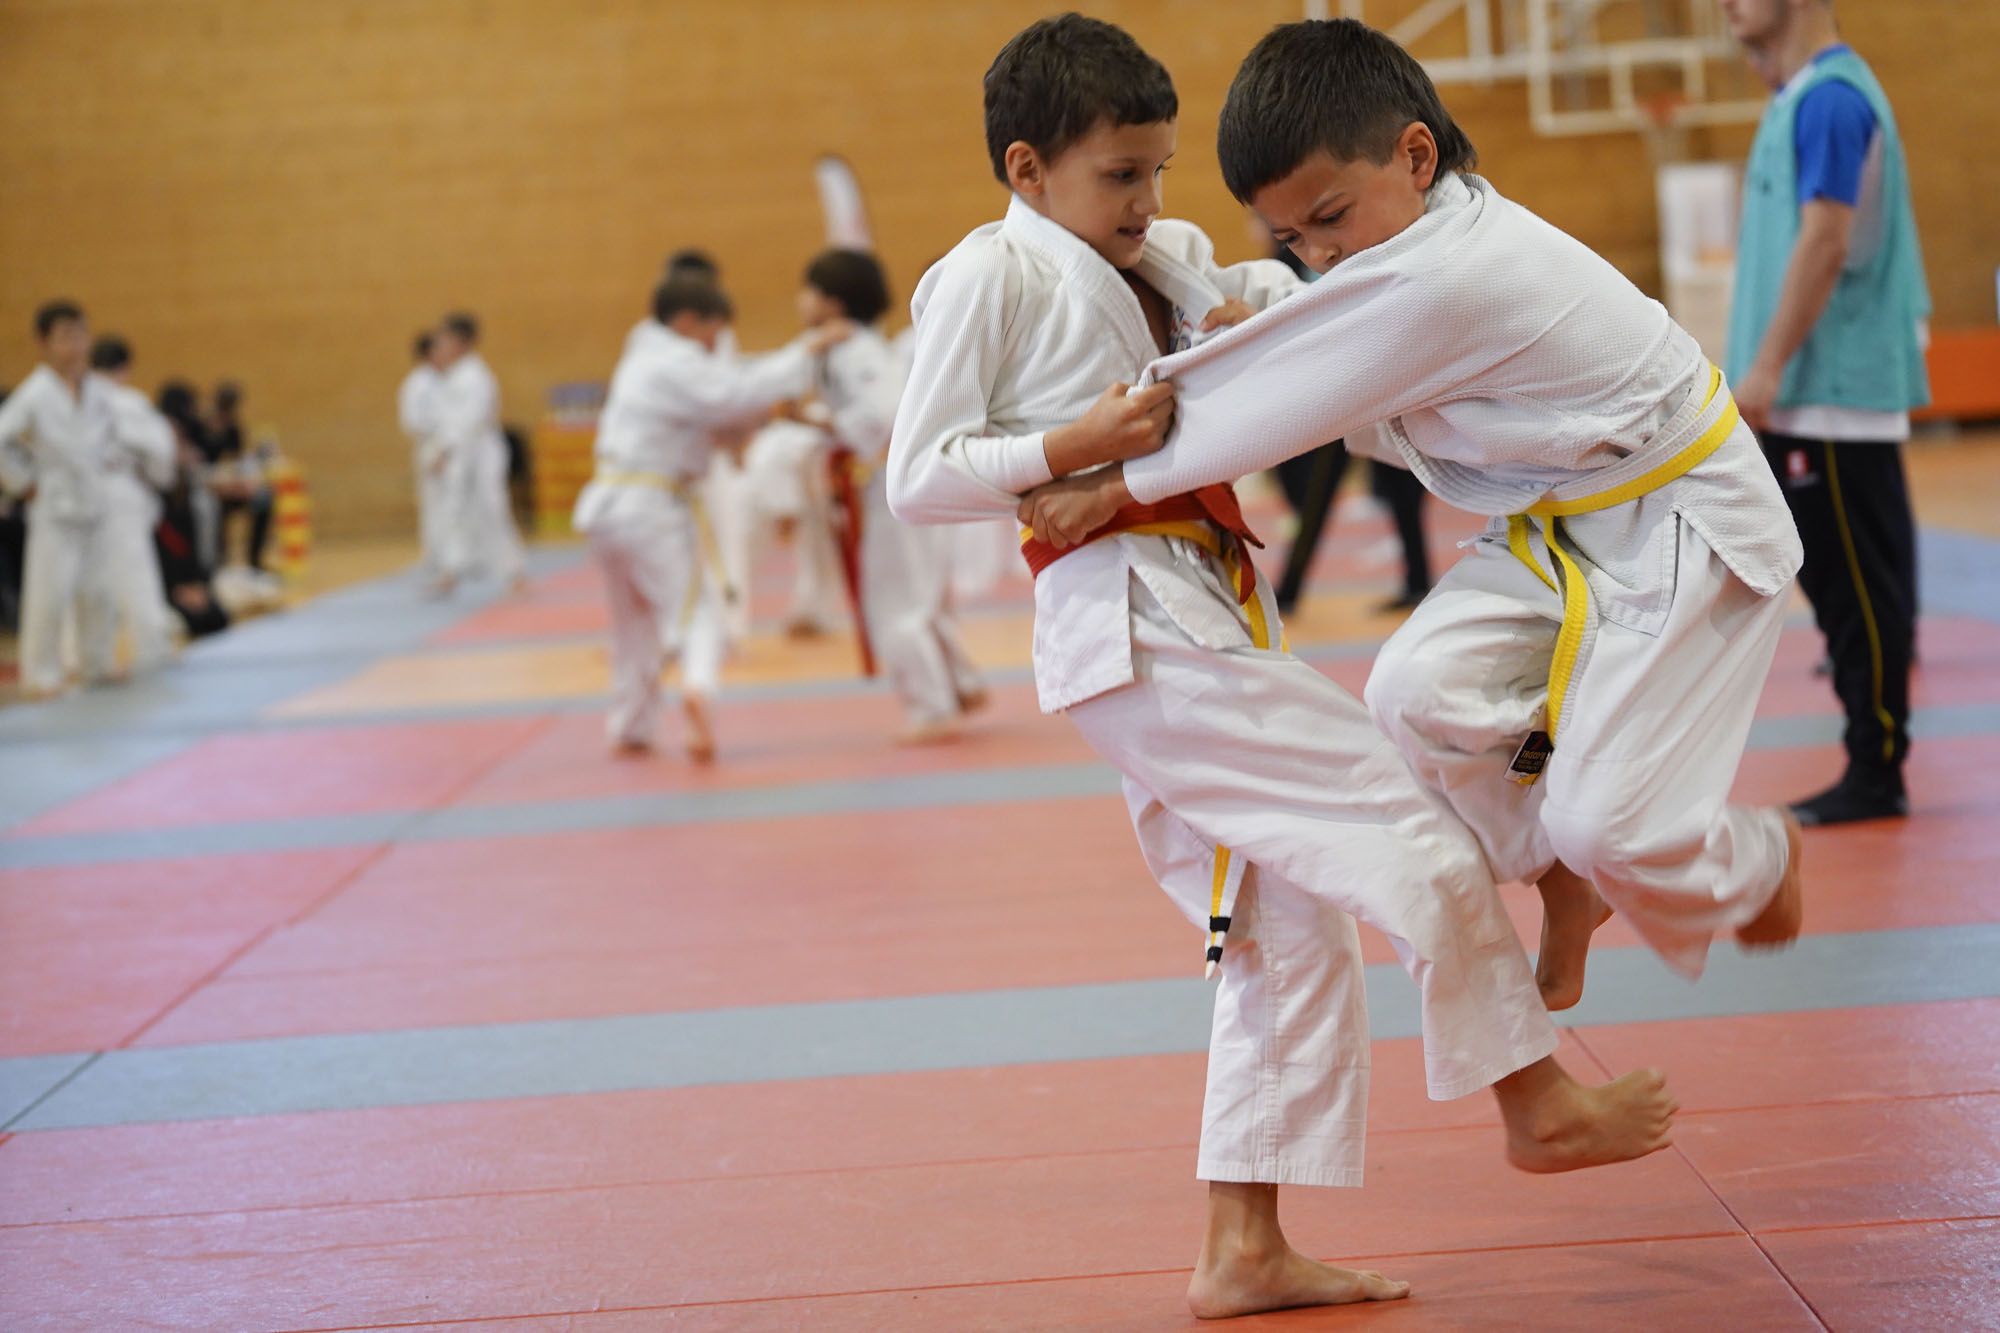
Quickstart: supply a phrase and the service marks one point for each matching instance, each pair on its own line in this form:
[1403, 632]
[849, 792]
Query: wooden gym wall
[283, 191]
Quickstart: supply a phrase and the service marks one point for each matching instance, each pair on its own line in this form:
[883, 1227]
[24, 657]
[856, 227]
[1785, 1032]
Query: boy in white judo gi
[417, 416]
[139, 466]
[55, 441]
[670, 398]
[905, 591]
[1580, 687]
[1265, 802]
[479, 533]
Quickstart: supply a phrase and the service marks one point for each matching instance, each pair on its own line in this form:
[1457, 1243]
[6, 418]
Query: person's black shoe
[1852, 800]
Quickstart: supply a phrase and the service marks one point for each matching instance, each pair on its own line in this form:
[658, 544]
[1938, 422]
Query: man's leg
[1851, 504]
[1404, 495]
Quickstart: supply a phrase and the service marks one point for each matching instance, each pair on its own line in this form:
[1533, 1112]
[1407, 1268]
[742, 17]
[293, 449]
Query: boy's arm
[722, 392]
[1357, 347]
[944, 465]
[17, 465]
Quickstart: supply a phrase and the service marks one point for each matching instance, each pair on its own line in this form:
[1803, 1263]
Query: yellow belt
[1572, 589]
[711, 550]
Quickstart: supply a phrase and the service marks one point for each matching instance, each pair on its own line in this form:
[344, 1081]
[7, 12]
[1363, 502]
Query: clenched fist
[1124, 423]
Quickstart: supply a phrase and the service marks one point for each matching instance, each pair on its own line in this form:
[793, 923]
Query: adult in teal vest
[1826, 360]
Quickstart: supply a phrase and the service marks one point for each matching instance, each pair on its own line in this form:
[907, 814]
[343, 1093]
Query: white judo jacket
[140, 462]
[1509, 363]
[59, 443]
[468, 417]
[417, 409]
[1019, 330]
[668, 398]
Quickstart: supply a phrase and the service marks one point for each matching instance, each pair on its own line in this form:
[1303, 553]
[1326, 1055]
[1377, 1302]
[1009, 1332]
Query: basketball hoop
[1666, 137]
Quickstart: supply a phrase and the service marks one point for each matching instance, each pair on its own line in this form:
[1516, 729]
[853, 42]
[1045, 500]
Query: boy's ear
[1024, 168]
[1418, 147]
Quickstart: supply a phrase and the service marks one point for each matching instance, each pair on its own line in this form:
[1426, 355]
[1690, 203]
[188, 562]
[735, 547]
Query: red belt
[1214, 504]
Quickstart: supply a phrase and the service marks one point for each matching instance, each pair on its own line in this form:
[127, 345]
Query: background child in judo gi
[139, 466]
[905, 588]
[479, 535]
[417, 414]
[1626, 602]
[670, 397]
[1265, 802]
[55, 441]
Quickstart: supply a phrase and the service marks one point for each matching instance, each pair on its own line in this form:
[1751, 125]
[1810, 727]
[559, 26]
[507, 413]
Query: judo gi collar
[1075, 261]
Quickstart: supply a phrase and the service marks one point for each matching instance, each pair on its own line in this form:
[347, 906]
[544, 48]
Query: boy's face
[817, 308]
[1105, 188]
[447, 347]
[67, 347]
[1329, 208]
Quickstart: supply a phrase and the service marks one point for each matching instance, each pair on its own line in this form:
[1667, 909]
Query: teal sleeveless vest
[1863, 352]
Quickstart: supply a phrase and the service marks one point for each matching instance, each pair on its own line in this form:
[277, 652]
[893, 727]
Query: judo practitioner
[1580, 687]
[140, 464]
[478, 533]
[1266, 804]
[55, 442]
[417, 414]
[905, 590]
[671, 396]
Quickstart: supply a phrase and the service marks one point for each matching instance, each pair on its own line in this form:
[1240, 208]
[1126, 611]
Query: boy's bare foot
[1571, 914]
[972, 701]
[700, 736]
[631, 747]
[1779, 923]
[1248, 1266]
[1556, 1124]
[1226, 1286]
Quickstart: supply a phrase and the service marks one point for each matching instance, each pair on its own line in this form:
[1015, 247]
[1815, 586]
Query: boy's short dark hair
[421, 348]
[1333, 84]
[463, 326]
[53, 313]
[690, 295]
[110, 352]
[228, 396]
[855, 279]
[693, 263]
[1057, 79]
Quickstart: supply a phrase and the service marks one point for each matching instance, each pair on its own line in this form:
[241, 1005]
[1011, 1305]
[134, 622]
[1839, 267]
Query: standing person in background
[905, 591]
[140, 466]
[671, 397]
[417, 415]
[1826, 359]
[480, 537]
[236, 475]
[55, 435]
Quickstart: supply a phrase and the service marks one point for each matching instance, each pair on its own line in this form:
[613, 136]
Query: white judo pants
[647, 543]
[139, 594]
[1656, 715]
[1252, 749]
[67, 584]
[480, 538]
[905, 597]
[433, 515]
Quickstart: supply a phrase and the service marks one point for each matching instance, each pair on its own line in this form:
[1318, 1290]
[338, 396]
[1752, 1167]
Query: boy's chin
[1120, 250]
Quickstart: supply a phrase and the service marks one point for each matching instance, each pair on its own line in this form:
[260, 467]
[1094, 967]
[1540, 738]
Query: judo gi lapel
[1088, 273]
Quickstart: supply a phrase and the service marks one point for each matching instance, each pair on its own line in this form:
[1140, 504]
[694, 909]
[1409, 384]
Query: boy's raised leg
[1779, 924]
[1571, 914]
[1248, 1266]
